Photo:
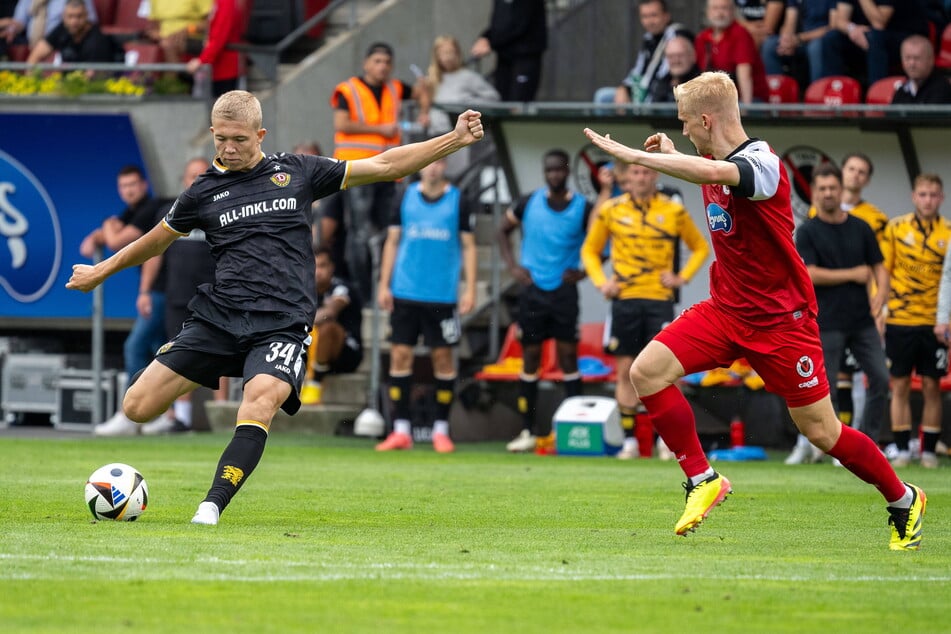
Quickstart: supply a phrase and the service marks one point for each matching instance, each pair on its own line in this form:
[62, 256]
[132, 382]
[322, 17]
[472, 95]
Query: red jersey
[758, 276]
[736, 46]
[226, 25]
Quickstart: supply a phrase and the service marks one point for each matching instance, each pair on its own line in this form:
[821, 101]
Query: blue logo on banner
[31, 245]
[719, 218]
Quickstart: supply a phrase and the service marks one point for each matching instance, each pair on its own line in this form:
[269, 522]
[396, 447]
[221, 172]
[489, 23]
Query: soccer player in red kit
[762, 306]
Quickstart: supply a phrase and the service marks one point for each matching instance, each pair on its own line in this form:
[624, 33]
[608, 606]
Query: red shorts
[788, 359]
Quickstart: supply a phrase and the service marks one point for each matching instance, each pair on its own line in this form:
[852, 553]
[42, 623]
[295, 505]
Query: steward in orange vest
[367, 109]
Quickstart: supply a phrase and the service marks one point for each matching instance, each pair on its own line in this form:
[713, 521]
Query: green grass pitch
[329, 536]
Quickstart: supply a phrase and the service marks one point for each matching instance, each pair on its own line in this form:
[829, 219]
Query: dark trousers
[866, 347]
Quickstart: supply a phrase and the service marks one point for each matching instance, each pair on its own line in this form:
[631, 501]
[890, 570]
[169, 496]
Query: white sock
[630, 444]
[403, 426]
[904, 502]
[697, 479]
[441, 427]
[183, 411]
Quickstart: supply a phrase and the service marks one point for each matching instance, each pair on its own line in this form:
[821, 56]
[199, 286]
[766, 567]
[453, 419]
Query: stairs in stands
[340, 22]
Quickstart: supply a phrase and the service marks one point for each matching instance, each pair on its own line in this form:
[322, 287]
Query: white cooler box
[588, 426]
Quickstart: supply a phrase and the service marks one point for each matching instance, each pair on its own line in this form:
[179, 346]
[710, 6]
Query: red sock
[674, 421]
[859, 454]
[644, 432]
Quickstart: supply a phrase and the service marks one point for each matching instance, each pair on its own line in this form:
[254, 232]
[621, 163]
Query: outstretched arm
[86, 277]
[407, 159]
[660, 154]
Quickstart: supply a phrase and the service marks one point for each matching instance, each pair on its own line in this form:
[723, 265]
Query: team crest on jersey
[805, 366]
[799, 162]
[165, 347]
[719, 218]
[281, 179]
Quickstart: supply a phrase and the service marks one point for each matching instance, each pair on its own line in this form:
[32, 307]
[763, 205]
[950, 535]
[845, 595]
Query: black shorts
[350, 357]
[634, 322]
[437, 323]
[203, 353]
[915, 348]
[548, 314]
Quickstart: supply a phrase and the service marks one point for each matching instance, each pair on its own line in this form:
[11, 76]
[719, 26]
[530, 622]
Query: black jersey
[258, 226]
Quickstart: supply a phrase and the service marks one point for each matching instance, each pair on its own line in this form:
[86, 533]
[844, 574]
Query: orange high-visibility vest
[365, 109]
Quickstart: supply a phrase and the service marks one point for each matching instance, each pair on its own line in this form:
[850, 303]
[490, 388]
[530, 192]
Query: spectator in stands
[518, 35]
[915, 246]
[761, 18]
[188, 264]
[32, 20]
[924, 85]
[797, 49]
[6, 12]
[336, 345]
[76, 39]
[366, 122]
[727, 46]
[448, 81]
[842, 256]
[428, 242]
[226, 25]
[867, 34]
[681, 60]
[148, 331]
[553, 221]
[179, 26]
[645, 229]
[651, 64]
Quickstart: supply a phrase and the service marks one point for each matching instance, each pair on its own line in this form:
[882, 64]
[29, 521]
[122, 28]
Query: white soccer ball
[116, 492]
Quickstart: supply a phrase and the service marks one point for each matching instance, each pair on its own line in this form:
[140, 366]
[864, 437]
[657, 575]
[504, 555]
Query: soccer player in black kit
[253, 322]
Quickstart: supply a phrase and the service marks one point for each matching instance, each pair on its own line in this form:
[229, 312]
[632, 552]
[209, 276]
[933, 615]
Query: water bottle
[737, 433]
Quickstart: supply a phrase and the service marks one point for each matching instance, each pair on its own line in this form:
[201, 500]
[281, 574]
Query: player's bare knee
[136, 407]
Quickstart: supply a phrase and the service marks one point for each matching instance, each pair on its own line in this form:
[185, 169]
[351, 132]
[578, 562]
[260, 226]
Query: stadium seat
[508, 366]
[881, 91]
[106, 11]
[782, 89]
[943, 59]
[127, 25]
[18, 52]
[836, 90]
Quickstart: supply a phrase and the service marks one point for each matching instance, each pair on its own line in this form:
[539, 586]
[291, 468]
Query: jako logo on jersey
[805, 366]
[281, 179]
[719, 219]
[220, 195]
[31, 245]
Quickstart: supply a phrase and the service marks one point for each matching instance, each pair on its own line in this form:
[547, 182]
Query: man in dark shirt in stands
[76, 39]
[518, 35]
[253, 322]
[869, 33]
[924, 85]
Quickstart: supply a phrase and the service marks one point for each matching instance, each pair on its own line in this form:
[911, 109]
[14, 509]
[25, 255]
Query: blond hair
[435, 72]
[710, 92]
[240, 106]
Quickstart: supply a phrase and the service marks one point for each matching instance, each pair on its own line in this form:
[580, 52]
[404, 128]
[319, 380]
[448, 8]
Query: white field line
[216, 569]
